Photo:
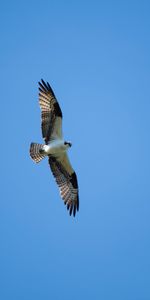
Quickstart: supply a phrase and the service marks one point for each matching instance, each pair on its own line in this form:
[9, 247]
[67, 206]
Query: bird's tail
[36, 152]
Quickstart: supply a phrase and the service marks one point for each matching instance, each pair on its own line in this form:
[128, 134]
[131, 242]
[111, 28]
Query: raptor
[55, 148]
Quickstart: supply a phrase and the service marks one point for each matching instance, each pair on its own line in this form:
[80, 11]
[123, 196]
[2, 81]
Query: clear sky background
[96, 56]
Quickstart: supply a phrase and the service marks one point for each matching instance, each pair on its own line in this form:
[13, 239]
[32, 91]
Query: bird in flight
[55, 148]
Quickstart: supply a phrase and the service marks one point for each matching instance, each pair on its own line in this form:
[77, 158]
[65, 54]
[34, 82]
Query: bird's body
[55, 148]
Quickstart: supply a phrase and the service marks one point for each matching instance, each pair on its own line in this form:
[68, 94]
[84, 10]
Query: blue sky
[95, 54]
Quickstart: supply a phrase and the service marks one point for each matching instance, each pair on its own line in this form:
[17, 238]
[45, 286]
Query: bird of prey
[55, 148]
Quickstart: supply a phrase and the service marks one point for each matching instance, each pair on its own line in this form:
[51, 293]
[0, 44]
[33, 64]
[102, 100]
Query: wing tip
[73, 208]
[45, 87]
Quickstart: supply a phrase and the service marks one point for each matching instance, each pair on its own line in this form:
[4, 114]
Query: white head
[67, 144]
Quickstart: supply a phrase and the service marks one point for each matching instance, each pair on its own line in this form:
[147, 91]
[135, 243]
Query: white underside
[55, 147]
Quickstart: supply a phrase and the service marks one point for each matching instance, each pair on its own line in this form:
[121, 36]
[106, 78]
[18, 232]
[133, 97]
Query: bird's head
[67, 144]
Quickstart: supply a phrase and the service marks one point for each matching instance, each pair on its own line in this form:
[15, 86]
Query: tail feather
[36, 153]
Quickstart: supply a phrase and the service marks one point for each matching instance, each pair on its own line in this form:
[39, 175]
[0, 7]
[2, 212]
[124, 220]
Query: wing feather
[67, 182]
[51, 113]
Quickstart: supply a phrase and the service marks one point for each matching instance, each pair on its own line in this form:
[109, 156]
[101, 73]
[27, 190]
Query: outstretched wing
[50, 112]
[67, 181]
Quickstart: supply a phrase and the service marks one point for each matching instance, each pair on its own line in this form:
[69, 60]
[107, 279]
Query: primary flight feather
[55, 148]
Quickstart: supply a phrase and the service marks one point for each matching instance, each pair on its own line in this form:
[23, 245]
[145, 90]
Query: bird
[55, 148]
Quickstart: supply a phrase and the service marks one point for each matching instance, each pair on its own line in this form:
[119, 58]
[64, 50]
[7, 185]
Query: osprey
[55, 148]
